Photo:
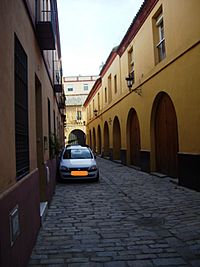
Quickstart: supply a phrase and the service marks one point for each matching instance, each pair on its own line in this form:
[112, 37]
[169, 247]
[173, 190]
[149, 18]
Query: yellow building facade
[32, 117]
[76, 90]
[154, 123]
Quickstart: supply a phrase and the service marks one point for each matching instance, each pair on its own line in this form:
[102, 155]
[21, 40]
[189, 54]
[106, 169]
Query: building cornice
[80, 80]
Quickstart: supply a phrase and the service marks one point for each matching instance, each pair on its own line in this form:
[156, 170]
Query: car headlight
[64, 168]
[93, 168]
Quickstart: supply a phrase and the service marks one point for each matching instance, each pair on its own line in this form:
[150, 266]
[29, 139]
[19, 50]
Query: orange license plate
[79, 173]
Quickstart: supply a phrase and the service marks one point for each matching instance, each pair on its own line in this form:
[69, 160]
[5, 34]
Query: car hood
[77, 163]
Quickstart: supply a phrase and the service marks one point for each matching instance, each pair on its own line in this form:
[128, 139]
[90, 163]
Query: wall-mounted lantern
[95, 112]
[110, 121]
[130, 81]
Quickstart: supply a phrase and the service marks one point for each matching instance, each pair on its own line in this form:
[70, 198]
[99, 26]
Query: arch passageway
[77, 137]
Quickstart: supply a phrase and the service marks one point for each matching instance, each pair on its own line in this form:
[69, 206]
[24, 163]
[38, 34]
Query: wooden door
[166, 137]
[116, 139]
[99, 140]
[106, 140]
[134, 140]
[94, 141]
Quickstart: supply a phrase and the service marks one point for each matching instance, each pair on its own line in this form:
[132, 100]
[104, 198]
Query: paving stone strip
[129, 218]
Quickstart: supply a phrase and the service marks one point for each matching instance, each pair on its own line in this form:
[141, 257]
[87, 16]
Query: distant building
[76, 90]
[31, 121]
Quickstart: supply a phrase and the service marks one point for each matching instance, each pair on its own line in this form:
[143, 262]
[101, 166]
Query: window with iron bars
[21, 111]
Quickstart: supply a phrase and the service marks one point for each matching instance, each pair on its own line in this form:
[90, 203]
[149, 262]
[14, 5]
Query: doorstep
[160, 175]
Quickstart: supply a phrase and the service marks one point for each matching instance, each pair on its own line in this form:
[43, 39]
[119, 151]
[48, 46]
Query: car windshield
[77, 154]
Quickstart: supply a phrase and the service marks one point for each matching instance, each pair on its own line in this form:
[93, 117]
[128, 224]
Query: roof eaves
[136, 24]
[109, 61]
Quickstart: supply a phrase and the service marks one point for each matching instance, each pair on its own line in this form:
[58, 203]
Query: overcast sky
[89, 29]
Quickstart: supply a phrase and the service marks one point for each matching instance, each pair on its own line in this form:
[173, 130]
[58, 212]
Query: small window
[159, 36]
[115, 83]
[70, 89]
[85, 87]
[105, 94]
[109, 88]
[98, 100]
[79, 115]
[131, 67]
[93, 105]
[90, 112]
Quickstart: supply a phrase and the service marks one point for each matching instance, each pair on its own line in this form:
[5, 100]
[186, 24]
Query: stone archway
[116, 139]
[99, 140]
[106, 140]
[165, 136]
[77, 137]
[133, 138]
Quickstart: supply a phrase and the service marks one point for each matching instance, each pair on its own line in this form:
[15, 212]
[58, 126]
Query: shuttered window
[79, 115]
[21, 111]
[131, 67]
[161, 38]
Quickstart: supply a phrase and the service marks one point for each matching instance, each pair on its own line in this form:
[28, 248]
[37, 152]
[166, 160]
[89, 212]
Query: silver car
[78, 162]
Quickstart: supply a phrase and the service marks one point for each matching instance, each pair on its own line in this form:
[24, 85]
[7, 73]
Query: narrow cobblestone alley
[129, 218]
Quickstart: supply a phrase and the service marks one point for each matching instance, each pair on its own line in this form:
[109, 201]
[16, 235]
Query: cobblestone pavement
[129, 218]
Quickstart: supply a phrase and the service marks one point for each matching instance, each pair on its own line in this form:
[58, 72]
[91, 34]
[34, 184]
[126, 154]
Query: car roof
[75, 146]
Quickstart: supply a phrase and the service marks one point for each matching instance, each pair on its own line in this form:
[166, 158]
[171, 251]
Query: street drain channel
[150, 221]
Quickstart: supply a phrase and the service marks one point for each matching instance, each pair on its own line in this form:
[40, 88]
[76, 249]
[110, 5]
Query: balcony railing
[61, 103]
[77, 122]
[57, 77]
[45, 24]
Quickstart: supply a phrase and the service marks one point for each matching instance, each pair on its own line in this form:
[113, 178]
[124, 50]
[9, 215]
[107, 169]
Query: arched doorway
[99, 140]
[166, 136]
[94, 141]
[106, 140]
[77, 137]
[133, 138]
[116, 139]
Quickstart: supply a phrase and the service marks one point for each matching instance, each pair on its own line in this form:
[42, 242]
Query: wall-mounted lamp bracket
[130, 81]
[95, 112]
